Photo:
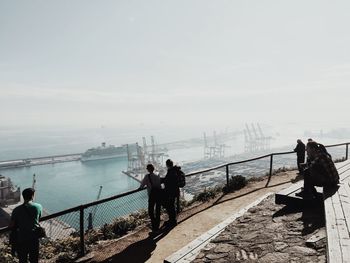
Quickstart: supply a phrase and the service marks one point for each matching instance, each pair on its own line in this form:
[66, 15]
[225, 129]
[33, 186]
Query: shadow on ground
[221, 199]
[140, 251]
[312, 216]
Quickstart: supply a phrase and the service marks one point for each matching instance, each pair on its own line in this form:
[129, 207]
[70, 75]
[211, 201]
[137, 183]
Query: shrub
[235, 183]
[206, 195]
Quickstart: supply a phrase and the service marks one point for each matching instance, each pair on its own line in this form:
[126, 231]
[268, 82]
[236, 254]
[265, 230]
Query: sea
[64, 185]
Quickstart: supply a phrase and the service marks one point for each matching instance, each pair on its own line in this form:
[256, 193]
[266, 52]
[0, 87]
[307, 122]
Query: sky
[185, 63]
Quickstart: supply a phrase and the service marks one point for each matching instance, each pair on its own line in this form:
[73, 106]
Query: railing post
[347, 151]
[82, 240]
[227, 175]
[271, 162]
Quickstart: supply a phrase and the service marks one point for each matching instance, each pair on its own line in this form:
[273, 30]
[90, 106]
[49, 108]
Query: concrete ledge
[191, 250]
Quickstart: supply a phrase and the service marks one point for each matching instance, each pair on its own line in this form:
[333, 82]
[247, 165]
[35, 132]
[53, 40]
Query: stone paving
[270, 233]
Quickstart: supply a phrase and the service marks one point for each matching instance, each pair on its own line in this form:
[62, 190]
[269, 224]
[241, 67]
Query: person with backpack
[24, 226]
[152, 181]
[172, 192]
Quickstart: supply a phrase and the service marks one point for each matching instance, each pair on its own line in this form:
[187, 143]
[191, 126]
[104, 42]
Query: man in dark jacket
[300, 150]
[172, 191]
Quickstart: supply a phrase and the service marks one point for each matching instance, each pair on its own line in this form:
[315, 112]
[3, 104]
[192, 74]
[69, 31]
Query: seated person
[320, 171]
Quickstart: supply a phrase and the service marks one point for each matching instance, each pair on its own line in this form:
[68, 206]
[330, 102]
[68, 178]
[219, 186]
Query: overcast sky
[92, 63]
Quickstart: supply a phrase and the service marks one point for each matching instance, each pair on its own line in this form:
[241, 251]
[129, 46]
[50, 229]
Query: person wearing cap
[24, 221]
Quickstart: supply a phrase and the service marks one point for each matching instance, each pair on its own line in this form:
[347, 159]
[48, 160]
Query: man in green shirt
[24, 221]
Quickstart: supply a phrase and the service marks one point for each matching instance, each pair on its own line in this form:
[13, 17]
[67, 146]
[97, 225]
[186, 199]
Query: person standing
[25, 221]
[300, 150]
[152, 181]
[172, 191]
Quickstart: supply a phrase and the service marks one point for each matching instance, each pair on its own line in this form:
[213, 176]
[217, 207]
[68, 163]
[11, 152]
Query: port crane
[34, 181]
[93, 210]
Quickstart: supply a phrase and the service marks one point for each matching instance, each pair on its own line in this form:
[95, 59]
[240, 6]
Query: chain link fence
[71, 232]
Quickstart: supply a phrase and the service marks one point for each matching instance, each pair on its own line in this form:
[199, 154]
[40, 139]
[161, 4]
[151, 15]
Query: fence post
[347, 151]
[227, 175]
[271, 162]
[82, 240]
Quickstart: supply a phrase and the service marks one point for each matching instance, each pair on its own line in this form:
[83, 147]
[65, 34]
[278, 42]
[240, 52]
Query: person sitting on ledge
[319, 171]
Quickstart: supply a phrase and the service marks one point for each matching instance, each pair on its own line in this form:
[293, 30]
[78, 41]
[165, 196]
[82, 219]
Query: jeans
[28, 248]
[170, 208]
[154, 204]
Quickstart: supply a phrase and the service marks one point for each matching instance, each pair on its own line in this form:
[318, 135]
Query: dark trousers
[170, 208]
[28, 248]
[300, 160]
[308, 183]
[154, 206]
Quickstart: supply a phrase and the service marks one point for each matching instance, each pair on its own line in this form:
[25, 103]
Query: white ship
[106, 152]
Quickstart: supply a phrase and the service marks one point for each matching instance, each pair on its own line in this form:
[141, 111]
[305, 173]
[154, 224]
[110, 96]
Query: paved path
[193, 223]
[193, 227]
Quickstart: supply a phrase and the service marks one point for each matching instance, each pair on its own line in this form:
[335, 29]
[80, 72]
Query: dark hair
[150, 167]
[28, 194]
[169, 163]
[312, 145]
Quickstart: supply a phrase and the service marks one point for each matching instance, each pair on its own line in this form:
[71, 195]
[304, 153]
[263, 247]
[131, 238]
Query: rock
[223, 248]
[222, 238]
[275, 258]
[302, 251]
[317, 240]
[216, 256]
[279, 246]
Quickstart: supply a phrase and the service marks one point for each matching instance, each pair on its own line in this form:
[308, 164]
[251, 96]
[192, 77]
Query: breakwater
[27, 162]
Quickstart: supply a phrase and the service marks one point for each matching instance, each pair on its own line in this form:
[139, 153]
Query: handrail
[84, 206]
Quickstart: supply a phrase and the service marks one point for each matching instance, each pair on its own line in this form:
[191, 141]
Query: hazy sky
[88, 63]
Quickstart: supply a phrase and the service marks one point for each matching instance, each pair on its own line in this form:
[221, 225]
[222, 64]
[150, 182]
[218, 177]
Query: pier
[26, 162]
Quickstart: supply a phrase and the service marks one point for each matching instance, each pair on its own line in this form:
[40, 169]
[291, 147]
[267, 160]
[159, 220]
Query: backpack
[181, 178]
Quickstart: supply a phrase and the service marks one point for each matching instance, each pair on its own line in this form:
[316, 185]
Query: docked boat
[106, 152]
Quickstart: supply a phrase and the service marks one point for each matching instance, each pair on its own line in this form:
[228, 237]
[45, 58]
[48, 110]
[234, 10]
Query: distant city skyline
[179, 63]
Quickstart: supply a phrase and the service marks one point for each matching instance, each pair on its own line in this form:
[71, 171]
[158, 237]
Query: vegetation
[235, 183]
[207, 194]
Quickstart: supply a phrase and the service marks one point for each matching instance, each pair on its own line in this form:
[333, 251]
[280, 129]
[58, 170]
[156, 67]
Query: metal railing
[74, 220]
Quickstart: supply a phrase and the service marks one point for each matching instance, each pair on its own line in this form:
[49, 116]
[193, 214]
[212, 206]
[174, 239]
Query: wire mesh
[287, 161]
[256, 168]
[63, 231]
[105, 213]
[337, 152]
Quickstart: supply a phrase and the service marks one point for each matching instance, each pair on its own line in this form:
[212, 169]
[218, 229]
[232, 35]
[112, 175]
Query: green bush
[235, 183]
[206, 195]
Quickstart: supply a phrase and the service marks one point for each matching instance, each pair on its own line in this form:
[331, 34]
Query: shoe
[170, 224]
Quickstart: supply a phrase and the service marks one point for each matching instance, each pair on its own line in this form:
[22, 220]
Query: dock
[27, 162]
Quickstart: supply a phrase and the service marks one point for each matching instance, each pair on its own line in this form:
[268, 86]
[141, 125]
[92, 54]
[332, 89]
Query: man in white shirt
[152, 181]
